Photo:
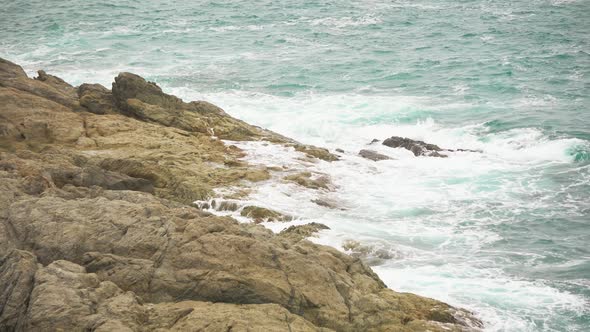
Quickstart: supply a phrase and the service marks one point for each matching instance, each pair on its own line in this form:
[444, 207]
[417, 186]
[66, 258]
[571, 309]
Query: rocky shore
[98, 230]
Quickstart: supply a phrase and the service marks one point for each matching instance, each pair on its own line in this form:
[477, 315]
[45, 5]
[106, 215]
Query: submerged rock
[97, 231]
[373, 155]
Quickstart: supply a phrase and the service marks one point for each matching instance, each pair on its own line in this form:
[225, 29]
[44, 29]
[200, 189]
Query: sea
[504, 232]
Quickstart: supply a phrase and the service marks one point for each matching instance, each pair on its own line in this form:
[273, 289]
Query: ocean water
[504, 233]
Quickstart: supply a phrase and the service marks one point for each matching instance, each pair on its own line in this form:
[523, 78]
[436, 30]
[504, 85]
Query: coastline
[97, 221]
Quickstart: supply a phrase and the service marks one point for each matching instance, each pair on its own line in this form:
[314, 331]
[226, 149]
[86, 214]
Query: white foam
[427, 212]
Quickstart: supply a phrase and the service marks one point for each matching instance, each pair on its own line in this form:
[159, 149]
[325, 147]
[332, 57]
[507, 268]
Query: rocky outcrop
[300, 232]
[97, 230]
[418, 148]
[373, 155]
[260, 214]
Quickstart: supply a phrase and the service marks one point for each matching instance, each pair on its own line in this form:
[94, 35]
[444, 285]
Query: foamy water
[503, 232]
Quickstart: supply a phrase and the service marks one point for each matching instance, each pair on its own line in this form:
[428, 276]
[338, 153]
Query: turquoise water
[504, 233]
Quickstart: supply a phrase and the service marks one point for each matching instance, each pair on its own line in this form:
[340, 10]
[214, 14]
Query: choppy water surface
[504, 233]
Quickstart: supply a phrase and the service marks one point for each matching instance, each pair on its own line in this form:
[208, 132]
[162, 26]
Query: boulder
[96, 99]
[297, 233]
[418, 148]
[372, 155]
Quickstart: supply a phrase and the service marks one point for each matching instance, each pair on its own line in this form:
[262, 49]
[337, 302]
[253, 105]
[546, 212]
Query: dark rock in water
[260, 214]
[300, 232]
[339, 150]
[372, 155]
[418, 148]
[463, 150]
[325, 203]
[374, 141]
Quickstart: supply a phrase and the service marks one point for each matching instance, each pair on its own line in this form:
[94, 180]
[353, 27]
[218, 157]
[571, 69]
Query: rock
[325, 203]
[94, 176]
[17, 271]
[305, 179]
[372, 155]
[418, 148]
[85, 240]
[13, 76]
[316, 152]
[260, 214]
[96, 99]
[58, 84]
[340, 150]
[374, 140]
[300, 232]
[227, 206]
[368, 253]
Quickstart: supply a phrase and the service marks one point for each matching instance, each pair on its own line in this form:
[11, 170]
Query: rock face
[97, 231]
[418, 148]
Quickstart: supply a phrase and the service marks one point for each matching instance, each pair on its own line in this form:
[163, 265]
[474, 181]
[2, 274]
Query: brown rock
[300, 232]
[260, 214]
[129, 260]
[96, 99]
[418, 148]
[372, 155]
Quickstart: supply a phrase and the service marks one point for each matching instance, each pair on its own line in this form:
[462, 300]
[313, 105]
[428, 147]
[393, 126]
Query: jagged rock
[300, 232]
[306, 179]
[418, 148]
[17, 269]
[313, 151]
[96, 99]
[58, 84]
[227, 206]
[368, 253]
[260, 214]
[13, 76]
[372, 155]
[128, 260]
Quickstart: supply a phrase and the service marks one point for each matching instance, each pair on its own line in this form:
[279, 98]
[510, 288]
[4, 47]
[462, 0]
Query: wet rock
[368, 253]
[340, 150]
[316, 152]
[227, 206]
[325, 203]
[418, 148]
[300, 232]
[372, 155]
[306, 179]
[260, 214]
